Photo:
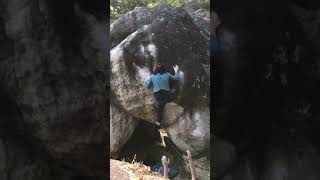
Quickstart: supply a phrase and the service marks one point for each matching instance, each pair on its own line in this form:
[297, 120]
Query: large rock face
[122, 126]
[142, 38]
[171, 38]
[201, 17]
[224, 156]
[172, 113]
[300, 164]
[192, 131]
[280, 163]
[19, 163]
[265, 118]
[54, 72]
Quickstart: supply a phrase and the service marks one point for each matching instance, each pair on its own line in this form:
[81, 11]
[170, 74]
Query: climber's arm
[176, 76]
[148, 83]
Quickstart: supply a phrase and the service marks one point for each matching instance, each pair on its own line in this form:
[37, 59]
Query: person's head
[160, 68]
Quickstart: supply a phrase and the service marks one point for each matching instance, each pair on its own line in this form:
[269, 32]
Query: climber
[159, 79]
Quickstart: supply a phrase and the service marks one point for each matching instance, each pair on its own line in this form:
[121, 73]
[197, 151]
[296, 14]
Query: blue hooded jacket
[161, 81]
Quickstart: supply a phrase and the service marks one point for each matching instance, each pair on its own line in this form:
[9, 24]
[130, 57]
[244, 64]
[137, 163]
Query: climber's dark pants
[162, 97]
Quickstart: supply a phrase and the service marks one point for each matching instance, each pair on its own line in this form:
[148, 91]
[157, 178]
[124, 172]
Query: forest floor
[121, 170]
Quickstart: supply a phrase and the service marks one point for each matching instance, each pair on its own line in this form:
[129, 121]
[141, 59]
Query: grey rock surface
[172, 112]
[18, 164]
[224, 156]
[122, 126]
[55, 75]
[164, 34]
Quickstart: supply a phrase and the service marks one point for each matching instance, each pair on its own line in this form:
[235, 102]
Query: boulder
[202, 167]
[224, 156]
[128, 89]
[172, 112]
[122, 126]
[127, 24]
[56, 79]
[257, 114]
[192, 131]
[279, 163]
[166, 34]
[171, 38]
[301, 163]
[201, 18]
[18, 164]
[244, 171]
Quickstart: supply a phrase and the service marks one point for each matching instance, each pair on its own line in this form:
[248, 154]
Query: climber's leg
[161, 101]
[160, 111]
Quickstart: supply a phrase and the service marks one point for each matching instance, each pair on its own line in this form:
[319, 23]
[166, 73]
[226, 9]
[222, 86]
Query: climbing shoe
[163, 134]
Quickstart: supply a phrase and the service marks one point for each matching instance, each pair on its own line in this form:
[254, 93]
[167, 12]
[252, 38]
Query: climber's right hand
[176, 68]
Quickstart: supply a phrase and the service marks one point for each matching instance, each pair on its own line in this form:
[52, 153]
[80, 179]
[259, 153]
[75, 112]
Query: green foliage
[205, 4]
[119, 7]
[171, 2]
